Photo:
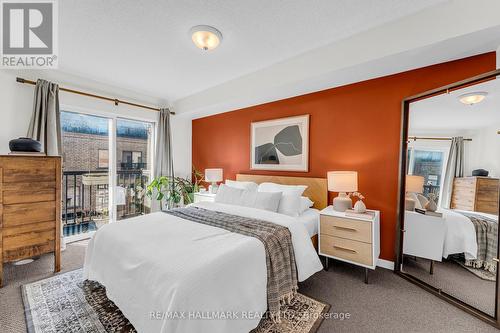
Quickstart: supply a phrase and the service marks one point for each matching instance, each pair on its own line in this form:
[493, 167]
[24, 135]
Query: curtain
[454, 169]
[45, 123]
[164, 164]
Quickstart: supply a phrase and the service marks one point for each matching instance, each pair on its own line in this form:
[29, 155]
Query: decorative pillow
[229, 195]
[290, 197]
[251, 186]
[305, 204]
[267, 200]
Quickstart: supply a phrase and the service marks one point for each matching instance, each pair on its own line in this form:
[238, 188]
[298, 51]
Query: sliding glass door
[106, 166]
[134, 142]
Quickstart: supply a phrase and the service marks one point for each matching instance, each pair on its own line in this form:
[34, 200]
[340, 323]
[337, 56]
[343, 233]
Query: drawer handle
[345, 228]
[344, 249]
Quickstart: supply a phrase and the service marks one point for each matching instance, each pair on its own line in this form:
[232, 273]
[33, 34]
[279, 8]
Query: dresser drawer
[28, 239]
[346, 228]
[25, 213]
[347, 249]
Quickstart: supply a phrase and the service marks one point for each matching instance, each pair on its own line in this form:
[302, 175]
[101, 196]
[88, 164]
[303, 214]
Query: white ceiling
[445, 114]
[143, 45]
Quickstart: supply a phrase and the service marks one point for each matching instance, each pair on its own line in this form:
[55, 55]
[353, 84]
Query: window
[429, 164]
[103, 159]
[132, 160]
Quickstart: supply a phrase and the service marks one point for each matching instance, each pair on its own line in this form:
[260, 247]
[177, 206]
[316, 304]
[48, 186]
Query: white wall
[485, 151]
[16, 103]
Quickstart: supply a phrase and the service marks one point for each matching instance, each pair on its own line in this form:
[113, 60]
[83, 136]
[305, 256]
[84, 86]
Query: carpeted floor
[387, 304]
[455, 280]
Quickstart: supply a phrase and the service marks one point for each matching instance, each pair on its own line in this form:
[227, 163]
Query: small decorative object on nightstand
[359, 206]
[431, 204]
[204, 196]
[350, 237]
[342, 182]
[213, 176]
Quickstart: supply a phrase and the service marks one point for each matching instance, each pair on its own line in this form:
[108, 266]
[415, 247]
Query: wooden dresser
[351, 239]
[30, 208]
[477, 194]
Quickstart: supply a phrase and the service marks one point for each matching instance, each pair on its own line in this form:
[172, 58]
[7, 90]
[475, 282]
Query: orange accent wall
[353, 127]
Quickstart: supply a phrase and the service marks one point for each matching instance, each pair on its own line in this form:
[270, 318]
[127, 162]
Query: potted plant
[174, 191]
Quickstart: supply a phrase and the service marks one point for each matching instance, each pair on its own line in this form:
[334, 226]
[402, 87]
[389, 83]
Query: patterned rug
[66, 303]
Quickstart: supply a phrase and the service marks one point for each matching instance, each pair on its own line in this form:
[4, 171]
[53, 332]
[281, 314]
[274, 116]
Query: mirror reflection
[452, 193]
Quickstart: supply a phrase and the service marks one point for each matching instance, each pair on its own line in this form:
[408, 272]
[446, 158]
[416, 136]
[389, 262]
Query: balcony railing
[85, 198]
[133, 166]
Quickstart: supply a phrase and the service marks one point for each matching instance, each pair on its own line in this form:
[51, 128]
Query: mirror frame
[492, 320]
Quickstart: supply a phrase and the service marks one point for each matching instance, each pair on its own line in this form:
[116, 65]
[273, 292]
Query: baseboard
[385, 264]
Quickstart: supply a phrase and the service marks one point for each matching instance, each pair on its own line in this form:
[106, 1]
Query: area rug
[481, 273]
[66, 303]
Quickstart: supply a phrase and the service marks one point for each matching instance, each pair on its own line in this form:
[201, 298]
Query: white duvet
[460, 236]
[167, 274]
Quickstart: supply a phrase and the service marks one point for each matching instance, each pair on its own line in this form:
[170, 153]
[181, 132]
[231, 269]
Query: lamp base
[213, 188]
[410, 204]
[342, 202]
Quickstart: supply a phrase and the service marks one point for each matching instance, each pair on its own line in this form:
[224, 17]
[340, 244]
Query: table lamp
[342, 182]
[213, 176]
[413, 184]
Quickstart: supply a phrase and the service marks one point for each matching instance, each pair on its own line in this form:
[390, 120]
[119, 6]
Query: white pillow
[240, 197]
[290, 197]
[305, 204]
[229, 195]
[265, 200]
[242, 185]
[272, 187]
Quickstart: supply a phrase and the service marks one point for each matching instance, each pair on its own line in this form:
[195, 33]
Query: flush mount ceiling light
[205, 37]
[472, 98]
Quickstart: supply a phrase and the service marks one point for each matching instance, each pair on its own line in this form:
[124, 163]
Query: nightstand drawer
[346, 228]
[347, 249]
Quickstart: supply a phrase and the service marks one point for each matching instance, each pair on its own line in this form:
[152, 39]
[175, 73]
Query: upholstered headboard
[317, 189]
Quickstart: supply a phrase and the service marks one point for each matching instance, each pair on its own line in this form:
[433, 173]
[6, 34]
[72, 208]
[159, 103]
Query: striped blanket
[487, 242]
[277, 240]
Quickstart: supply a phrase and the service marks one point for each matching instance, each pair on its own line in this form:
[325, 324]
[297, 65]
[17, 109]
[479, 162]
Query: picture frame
[280, 144]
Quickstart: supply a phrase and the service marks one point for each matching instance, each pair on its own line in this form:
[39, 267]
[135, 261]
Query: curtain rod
[414, 138]
[114, 100]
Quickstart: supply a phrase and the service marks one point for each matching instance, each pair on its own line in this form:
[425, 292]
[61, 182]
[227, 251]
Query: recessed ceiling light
[472, 98]
[205, 37]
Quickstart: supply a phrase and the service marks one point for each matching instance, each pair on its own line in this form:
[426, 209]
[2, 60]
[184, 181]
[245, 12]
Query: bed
[169, 274]
[455, 233]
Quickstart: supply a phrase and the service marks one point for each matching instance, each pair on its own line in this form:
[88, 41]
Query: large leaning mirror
[449, 198]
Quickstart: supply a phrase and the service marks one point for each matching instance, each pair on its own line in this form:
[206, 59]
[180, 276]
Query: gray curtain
[164, 165]
[45, 124]
[454, 169]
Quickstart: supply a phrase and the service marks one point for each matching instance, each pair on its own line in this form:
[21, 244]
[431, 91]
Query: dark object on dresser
[30, 208]
[480, 173]
[25, 145]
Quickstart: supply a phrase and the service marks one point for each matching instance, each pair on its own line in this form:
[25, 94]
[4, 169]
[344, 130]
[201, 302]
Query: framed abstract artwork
[280, 144]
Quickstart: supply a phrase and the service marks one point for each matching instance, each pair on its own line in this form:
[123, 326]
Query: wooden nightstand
[351, 239]
[203, 196]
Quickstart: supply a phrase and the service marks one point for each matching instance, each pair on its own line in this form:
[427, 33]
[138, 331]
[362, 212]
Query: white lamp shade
[342, 181]
[414, 184]
[213, 175]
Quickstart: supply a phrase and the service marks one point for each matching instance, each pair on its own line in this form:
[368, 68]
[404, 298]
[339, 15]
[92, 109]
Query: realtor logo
[29, 33]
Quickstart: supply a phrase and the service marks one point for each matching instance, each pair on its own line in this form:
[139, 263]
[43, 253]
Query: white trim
[385, 264]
